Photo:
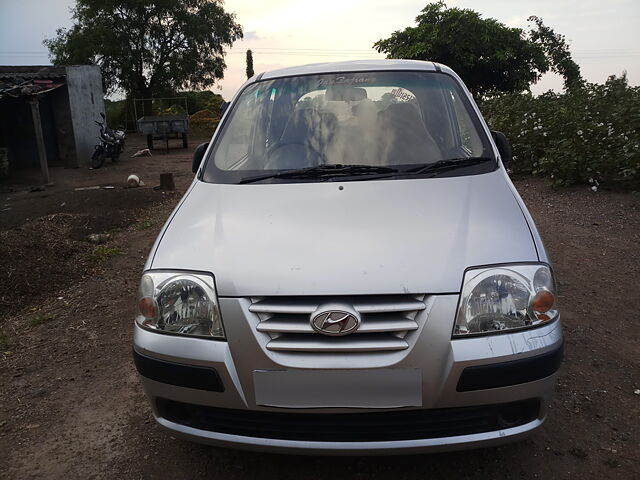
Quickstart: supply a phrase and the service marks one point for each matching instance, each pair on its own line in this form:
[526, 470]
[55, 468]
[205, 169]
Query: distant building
[47, 116]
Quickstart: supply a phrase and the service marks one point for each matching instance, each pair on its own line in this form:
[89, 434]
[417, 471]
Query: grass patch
[103, 253]
[41, 318]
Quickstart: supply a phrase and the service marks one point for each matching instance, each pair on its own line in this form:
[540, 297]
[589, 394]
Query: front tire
[98, 158]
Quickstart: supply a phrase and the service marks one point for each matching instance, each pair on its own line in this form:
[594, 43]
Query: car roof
[352, 66]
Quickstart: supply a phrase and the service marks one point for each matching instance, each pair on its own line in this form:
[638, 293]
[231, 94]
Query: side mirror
[198, 155]
[223, 107]
[504, 147]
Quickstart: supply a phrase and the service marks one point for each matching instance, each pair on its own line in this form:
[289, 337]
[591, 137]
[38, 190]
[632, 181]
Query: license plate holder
[375, 388]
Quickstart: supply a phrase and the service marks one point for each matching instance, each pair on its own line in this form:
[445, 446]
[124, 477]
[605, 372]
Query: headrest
[307, 120]
[401, 111]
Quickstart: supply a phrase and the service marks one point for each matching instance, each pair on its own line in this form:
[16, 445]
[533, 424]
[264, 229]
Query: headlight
[180, 303]
[510, 297]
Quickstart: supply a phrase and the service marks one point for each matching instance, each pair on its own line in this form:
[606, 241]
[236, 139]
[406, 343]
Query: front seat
[403, 137]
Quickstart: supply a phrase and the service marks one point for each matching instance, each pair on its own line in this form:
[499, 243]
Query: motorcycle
[110, 146]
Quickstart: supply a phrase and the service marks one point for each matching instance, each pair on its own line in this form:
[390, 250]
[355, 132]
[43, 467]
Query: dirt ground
[72, 406]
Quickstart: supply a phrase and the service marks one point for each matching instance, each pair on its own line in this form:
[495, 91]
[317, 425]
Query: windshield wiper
[323, 171]
[448, 164]
[372, 172]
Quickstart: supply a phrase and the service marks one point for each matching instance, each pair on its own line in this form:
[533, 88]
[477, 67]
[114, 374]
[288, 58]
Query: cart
[163, 127]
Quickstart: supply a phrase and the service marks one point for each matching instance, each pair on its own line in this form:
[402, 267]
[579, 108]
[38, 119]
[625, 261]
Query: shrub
[588, 135]
[116, 112]
[172, 110]
[201, 115]
[203, 122]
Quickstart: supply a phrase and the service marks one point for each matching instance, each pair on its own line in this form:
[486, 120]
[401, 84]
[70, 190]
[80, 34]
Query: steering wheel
[274, 162]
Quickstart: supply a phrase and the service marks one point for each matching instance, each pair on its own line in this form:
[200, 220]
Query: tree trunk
[166, 181]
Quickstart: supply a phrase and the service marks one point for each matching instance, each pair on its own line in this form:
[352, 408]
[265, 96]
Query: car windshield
[401, 120]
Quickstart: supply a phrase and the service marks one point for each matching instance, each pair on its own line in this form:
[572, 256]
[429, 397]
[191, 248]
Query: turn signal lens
[543, 301]
[147, 307]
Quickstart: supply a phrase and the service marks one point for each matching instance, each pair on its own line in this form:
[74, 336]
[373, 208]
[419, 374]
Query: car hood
[337, 238]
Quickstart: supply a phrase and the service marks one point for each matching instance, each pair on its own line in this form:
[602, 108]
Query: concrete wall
[86, 102]
[63, 127]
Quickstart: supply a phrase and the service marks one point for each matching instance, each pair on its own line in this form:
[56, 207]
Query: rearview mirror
[198, 155]
[345, 93]
[504, 147]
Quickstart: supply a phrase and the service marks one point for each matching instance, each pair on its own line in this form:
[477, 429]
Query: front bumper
[470, 380]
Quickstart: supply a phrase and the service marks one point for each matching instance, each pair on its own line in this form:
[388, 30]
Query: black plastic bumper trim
[178, 374]
[504, 374]
[395, 425]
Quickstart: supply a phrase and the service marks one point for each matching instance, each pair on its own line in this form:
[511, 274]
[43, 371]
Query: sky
[603, 35]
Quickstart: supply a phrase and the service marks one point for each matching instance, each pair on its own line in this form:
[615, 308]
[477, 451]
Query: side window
[248, 132]
[468, 135]
[234, 146]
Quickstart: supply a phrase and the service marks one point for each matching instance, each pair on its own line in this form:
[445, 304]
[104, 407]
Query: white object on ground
[142, 153]
[133, 181]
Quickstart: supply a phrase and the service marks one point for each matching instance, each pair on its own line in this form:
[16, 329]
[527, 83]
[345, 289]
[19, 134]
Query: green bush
[172, 110]
[116, 111]
[203, 123]
[588, 135]
[204, 100]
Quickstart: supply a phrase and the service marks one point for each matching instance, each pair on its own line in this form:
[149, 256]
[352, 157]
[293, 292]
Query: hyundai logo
[335, 322]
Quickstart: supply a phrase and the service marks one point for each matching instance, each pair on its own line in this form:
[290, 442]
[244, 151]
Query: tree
[489, 55]
[148, 48]
[249, 64]
[557, 51]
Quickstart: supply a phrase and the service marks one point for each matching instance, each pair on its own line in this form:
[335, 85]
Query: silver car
[350, 272]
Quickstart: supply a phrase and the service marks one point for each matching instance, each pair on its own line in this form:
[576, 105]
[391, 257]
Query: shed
[46, 116]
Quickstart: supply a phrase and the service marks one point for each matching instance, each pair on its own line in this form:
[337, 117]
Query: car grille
[387, 320]
[352, 427]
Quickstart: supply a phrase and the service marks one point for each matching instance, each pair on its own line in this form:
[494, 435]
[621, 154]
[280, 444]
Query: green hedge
[589, 135]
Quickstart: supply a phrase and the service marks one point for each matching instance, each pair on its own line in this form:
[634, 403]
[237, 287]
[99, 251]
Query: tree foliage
[250, 72]
[487, 54]
[148, 47]
[557, 52]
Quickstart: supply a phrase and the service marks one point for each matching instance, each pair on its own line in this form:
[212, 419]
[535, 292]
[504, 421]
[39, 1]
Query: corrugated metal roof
[19, 81]
[8, 72]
